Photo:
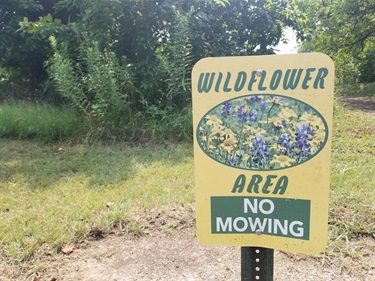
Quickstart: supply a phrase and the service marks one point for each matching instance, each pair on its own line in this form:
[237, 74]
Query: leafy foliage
[161, 41]
[97, 85]
[22, 54]
[346, 31]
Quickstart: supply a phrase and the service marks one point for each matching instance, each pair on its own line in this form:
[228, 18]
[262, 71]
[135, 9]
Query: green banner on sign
[268, 216]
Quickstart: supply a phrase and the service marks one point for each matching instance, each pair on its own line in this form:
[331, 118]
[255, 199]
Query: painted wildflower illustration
[262, 132]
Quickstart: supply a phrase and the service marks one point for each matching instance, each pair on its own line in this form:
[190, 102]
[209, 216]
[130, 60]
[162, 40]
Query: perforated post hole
[256, 264]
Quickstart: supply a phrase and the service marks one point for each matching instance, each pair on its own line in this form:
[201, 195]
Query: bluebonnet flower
[225, 110]
[259, 150]
[303, 136]
[284, 142]
[303, 132]
[263, 106]
[255, 99]
[282, 125]
[253, 115]
[242, 113]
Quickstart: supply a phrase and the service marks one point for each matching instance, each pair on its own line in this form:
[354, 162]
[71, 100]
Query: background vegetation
[74, 72]
[345, 30]
[54, 194]
[124, 66]
[127, 63]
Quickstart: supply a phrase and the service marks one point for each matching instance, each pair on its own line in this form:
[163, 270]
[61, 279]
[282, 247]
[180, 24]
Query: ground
[181, 257]
[364, 104]
[166, 248]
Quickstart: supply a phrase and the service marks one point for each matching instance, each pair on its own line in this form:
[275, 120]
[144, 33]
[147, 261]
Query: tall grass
[40, 121]
[356, 90]
[352, 196]
[50, 124]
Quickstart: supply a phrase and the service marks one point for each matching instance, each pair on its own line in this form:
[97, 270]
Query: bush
[101, 89]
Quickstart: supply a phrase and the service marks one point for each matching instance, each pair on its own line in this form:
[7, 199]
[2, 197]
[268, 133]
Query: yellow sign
[262, 140]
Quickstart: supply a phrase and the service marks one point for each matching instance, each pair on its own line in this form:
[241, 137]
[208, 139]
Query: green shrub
[98, 86]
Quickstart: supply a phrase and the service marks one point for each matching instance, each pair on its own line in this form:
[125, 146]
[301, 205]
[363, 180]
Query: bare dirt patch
[181, 257]
[363, 104]
[168, 249]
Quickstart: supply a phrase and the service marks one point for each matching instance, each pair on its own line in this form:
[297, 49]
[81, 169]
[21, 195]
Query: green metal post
[256, 264]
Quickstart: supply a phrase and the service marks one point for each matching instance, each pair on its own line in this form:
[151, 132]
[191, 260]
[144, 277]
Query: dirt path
[363, 104]
[181, 257]
[169, 250]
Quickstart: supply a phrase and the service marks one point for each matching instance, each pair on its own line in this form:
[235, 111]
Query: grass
[52, 194]
[356, 90]
[47, 123]
[55, 194]
[352, 196]
[40, 121]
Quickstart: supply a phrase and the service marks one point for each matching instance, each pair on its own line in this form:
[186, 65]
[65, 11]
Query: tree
[345, 30]
[20, 52]
[240, 27]
[160, 40]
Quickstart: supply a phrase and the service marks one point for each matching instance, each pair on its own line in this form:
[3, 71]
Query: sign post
[262, 138]
[256, 264]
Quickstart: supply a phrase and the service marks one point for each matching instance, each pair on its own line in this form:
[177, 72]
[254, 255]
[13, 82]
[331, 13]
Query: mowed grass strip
[55, 194]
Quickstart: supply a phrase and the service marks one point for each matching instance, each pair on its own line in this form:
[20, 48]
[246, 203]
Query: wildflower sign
[262, 138]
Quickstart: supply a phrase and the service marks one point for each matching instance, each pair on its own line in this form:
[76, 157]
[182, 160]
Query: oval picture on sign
[262, 132]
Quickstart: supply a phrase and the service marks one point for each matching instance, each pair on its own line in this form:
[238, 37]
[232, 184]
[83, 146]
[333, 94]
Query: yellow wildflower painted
[292, 134]
[274, 100]
[320, 135]
[248, 143]
[213, 120]
[277, 122]
[245, 110]
[211, 147]
[283, 161]
[216, 132]
[248, 130]
[286, 113]
[228, 133]
[318, 139]
[311, 119]
[228, 144]
[246, 157]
